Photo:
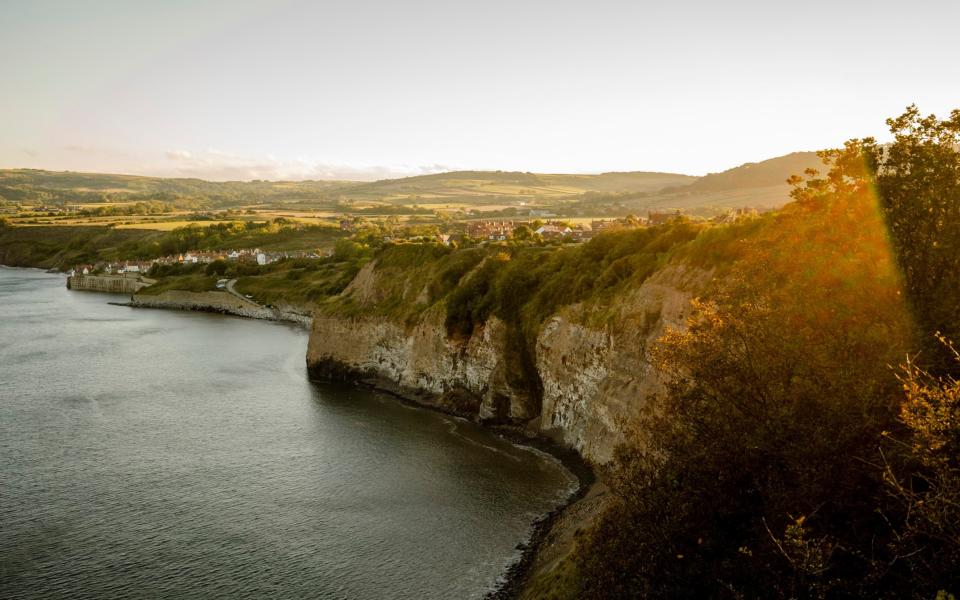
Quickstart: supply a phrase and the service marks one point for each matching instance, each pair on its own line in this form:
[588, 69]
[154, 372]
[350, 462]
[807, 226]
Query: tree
[925, 474]
[522, 233]
[757, 474]
[217, 267]
[917, 179]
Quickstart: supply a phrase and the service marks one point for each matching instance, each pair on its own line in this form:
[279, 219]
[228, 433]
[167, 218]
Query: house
[491, 230]
[736, 214]
[553, 231]
[583, 233]
[662, 218]
[598, 226]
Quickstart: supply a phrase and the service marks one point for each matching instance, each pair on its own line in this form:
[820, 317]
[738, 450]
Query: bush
[779, 462]
[217, 267]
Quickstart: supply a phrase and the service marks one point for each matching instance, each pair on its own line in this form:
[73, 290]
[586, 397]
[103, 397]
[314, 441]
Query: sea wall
[591, 362]
[219, 302]
[116, 284]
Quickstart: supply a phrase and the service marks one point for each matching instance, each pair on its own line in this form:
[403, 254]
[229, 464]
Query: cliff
[589, 375]
[553, 343]
[466, 377]
[596, 377]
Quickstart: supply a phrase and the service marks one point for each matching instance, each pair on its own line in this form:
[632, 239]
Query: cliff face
[596, 379]
[467, 377]
[590, 362]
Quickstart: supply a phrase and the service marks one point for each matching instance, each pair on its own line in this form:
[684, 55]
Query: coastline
[219, 303]
[512, 581]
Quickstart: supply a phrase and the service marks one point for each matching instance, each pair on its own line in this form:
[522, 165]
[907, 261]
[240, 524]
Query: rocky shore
[517, 576]
[578, 396]
[222, 303]
[545, 528]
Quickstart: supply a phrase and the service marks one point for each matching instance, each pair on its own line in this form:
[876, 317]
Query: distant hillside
[30, 186]
[766, 173]
[36, 186]
[753, 184]
[760, 185]
[473, 186]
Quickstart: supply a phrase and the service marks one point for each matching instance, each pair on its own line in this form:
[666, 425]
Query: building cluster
[112, 268]
[736, 214]
[253, 256]
[662, 218]
[492, 230]
[503, 230]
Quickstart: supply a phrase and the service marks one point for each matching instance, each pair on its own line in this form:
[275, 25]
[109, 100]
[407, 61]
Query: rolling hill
[31, 186]
[757, 184]
[761, 184]
[501, 186]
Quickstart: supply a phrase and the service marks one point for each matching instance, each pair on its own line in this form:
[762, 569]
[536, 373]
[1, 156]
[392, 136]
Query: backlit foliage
[777, 463]
[917, 179]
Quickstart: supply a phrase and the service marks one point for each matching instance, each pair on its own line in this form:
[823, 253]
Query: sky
[362, 89]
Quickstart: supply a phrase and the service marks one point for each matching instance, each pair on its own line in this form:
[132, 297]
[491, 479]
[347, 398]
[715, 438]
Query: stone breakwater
[219, 302]
[115, 284]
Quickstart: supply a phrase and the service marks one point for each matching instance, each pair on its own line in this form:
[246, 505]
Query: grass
[299, 282]
[166, 225]
[63, 246]
[187, 283]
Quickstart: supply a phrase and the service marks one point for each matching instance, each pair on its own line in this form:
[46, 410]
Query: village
[482, 231]
[253, 256]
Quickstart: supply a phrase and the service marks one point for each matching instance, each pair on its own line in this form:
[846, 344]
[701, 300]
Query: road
[232, 290]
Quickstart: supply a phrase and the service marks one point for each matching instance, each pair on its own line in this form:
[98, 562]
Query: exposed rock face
[594, 377]
[596, 380]
[420, 362]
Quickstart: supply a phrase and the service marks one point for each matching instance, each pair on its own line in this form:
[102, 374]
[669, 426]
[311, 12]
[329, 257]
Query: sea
[162, 454]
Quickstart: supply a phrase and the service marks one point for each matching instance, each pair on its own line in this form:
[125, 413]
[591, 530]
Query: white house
[553, 231]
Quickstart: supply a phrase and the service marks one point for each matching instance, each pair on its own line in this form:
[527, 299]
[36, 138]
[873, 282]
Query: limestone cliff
[466, 377]
[596, 378]
[590, 365]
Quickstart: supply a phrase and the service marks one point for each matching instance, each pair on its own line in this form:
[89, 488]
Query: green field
[32, 197]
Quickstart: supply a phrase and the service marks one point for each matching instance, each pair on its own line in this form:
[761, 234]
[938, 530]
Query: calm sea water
[156, 454]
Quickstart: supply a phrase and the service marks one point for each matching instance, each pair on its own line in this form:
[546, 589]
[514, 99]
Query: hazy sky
[240, 89]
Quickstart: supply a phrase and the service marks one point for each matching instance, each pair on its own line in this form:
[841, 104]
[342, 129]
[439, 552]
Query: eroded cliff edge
[589, 377]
